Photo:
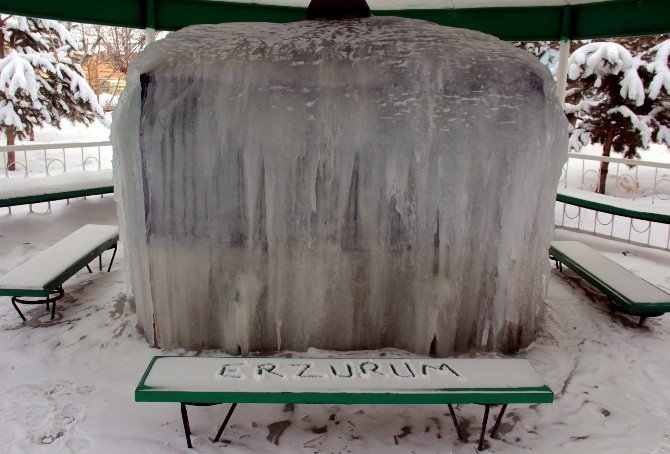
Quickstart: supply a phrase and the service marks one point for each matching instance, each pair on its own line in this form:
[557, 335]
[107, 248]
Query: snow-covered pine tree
[618, 99]
[41, 81]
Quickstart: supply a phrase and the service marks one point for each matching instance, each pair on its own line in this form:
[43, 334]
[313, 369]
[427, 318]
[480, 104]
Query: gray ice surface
[341, 185]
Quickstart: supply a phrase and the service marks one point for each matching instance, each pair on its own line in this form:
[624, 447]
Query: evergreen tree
[41, 82]
[619, 98]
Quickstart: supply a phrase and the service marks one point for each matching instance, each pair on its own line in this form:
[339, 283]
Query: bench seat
[45, 273]
[22, 191]
[629, 292]
[614, 205]
[361, 381]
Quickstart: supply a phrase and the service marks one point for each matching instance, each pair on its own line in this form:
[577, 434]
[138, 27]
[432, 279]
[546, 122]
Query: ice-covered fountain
[342, 184]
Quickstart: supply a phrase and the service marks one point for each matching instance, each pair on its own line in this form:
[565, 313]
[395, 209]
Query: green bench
[628, 292]
[202, 381]
[43, 275]
[613, 205]
[24, 191]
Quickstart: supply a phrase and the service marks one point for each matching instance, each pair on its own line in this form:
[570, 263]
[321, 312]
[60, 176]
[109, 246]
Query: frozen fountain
[345, 184]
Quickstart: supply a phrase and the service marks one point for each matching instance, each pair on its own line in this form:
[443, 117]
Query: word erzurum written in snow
[283, 369]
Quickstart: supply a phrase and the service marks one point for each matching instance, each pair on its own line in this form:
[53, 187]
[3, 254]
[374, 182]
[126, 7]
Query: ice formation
[343, 185]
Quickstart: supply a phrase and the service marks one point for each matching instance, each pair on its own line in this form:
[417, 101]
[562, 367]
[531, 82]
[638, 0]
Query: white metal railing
[643, 179]
[44, 160]
[647, 182]
[635, 231]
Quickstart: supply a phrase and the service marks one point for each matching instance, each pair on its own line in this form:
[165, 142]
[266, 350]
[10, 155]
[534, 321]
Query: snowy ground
[72, 132]
[67, 385]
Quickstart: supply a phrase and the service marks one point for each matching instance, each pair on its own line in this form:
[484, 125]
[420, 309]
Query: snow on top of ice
[73, 181]
[614, 275]
[301, 44]
[49, 264]
[351, 375]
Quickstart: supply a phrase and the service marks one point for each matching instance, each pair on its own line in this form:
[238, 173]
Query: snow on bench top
[364, 375]
[47, 265]
[616, 202]
[611, 273]
[11, 188]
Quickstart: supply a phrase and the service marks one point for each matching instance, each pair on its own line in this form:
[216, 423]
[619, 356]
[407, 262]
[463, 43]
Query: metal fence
[44, 160]
[646, 182]
[642, 179]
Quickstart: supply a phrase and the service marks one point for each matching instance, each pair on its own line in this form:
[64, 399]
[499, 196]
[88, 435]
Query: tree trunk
[604, 166]
[11, 158]
[9, 131]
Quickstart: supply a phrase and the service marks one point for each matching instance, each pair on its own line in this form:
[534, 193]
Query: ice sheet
[343, 185]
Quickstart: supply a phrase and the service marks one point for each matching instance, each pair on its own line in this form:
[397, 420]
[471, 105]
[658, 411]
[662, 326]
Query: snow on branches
[659, 67]
[618, 99]
[41, 81]
[604, 59]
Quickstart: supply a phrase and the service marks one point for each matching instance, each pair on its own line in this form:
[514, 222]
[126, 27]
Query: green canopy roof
[516, 20]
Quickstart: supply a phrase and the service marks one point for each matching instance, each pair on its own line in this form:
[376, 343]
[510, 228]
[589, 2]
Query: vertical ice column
[353, 184]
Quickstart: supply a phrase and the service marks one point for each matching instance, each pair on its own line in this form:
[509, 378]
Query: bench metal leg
[225, 423]
[453, 418]
[496, 426]
[642, 319]
[480, 446]
[109, 268]
[49, 300]
[53, 308]
[187, 427]
[17, 308]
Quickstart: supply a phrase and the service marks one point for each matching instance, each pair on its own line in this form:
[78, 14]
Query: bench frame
[53, 291]
[452, 412]
[50, 197]
[501, 397]
[603, 207]
[619, 302]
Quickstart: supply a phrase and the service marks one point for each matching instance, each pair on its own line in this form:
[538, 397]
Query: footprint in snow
[6, 437]
[80, 444]
[86, 390]
[52, 417]
[29, 416]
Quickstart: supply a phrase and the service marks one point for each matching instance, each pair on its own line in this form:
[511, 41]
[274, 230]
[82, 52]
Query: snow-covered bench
[614, 205]
[22, 191]
[43, 275]
[215, 380]
[628, 292]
